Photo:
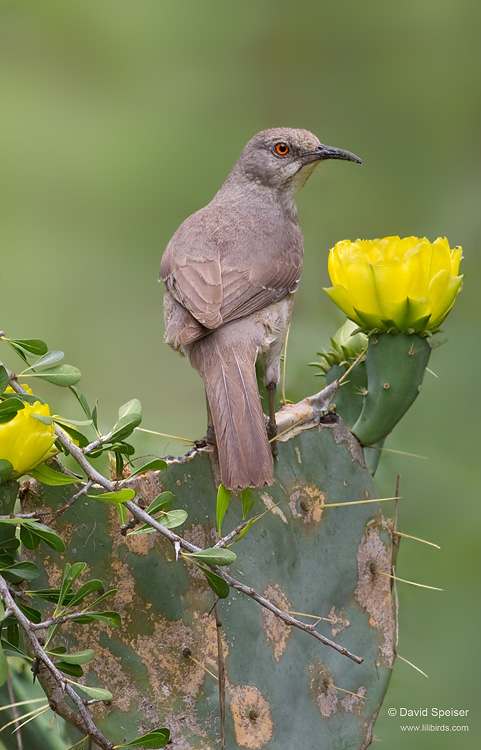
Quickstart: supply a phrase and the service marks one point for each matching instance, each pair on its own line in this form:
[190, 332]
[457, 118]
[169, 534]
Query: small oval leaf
[47, 475]
[98, 693]
[121, 496]
[77, 657]
[213, 556]
[62, 375]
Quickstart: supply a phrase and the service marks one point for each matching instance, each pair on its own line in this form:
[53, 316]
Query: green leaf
[95, 603]
[46, 534]
[170, 520]
[173, 518]
[213, 556]
[13, 633]
[82, 401]
[84, 591]
[47, 475]
[162, 502]
[62, 375]
[121, 496]
[153, 740]
[32, 346]
[3, 379]
[77, 422]
[124, 427]
[121, 448]
[248, 502]
[11, 543]
[21, 353]
[9, 408]
[157, 465]
[246, 528]
[76, 657]
[217, 584]
[131, 407]
[93, 692]
[223, 500]
[23, 571]
[6, 469]
[12, 650]
[69, 576]
[119, 465]
[27, 398]
[3, 667]
[2, 610]
[29, 540]
[50, 595]
[73, 433]
[109, 618]
[32, 614]
[123, 514]
[74, 670]
[48, 359]
[95, 417]
[42, 418]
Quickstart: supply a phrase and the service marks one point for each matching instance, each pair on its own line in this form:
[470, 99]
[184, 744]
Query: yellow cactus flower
[405, 284]
[26, 441]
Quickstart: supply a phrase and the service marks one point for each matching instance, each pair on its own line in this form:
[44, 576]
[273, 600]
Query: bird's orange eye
[281, 148]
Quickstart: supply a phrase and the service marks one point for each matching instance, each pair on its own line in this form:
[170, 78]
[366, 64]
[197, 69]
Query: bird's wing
[197, 285]
[226, 281]
[247, 290]
[215, 293]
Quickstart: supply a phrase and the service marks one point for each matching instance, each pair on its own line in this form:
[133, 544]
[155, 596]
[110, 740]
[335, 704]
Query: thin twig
[85, 717]
[231, 535]
[75, 497]
[45, 624]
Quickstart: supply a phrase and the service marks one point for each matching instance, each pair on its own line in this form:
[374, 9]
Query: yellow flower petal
[26, 441]
[392, 282]
[456, 256]
[442, 293]
[340, 296]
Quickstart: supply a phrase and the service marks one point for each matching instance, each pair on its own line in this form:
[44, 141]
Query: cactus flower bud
[26, 441]
[394, 284]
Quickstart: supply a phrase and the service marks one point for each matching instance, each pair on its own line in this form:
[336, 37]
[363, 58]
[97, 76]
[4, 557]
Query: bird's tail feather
[229, 377]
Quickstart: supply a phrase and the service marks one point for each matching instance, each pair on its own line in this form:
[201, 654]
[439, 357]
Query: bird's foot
[209, 438]
[272, 434]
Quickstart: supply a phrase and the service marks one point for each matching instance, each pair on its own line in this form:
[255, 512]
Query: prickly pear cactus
[283, 688]
[395, 366]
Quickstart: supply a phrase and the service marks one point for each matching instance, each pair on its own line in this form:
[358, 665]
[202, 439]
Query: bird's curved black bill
[323, 152]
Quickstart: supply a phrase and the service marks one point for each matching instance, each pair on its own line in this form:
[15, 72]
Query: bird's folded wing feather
[225, 280]
[215, 294]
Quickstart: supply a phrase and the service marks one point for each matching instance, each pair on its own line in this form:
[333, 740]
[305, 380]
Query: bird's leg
[272, 426]
[210, 434]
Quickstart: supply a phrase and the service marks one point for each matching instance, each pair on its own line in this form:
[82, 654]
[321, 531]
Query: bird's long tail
[229, 377]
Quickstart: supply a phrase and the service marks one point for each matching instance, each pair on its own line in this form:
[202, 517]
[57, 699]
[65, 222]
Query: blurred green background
[118, 119]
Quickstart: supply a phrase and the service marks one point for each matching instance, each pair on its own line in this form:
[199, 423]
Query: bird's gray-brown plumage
[230, 271]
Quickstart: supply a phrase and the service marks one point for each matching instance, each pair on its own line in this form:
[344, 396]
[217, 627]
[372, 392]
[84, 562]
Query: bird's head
[284, 158]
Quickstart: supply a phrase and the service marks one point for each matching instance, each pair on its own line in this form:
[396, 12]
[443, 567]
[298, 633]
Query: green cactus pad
[283, 687]
[395, 366]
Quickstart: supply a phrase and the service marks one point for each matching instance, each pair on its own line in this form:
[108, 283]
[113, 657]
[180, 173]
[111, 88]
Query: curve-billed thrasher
[231, 270]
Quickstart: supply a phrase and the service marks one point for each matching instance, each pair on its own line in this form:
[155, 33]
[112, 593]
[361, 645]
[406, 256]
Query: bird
[231, 270]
